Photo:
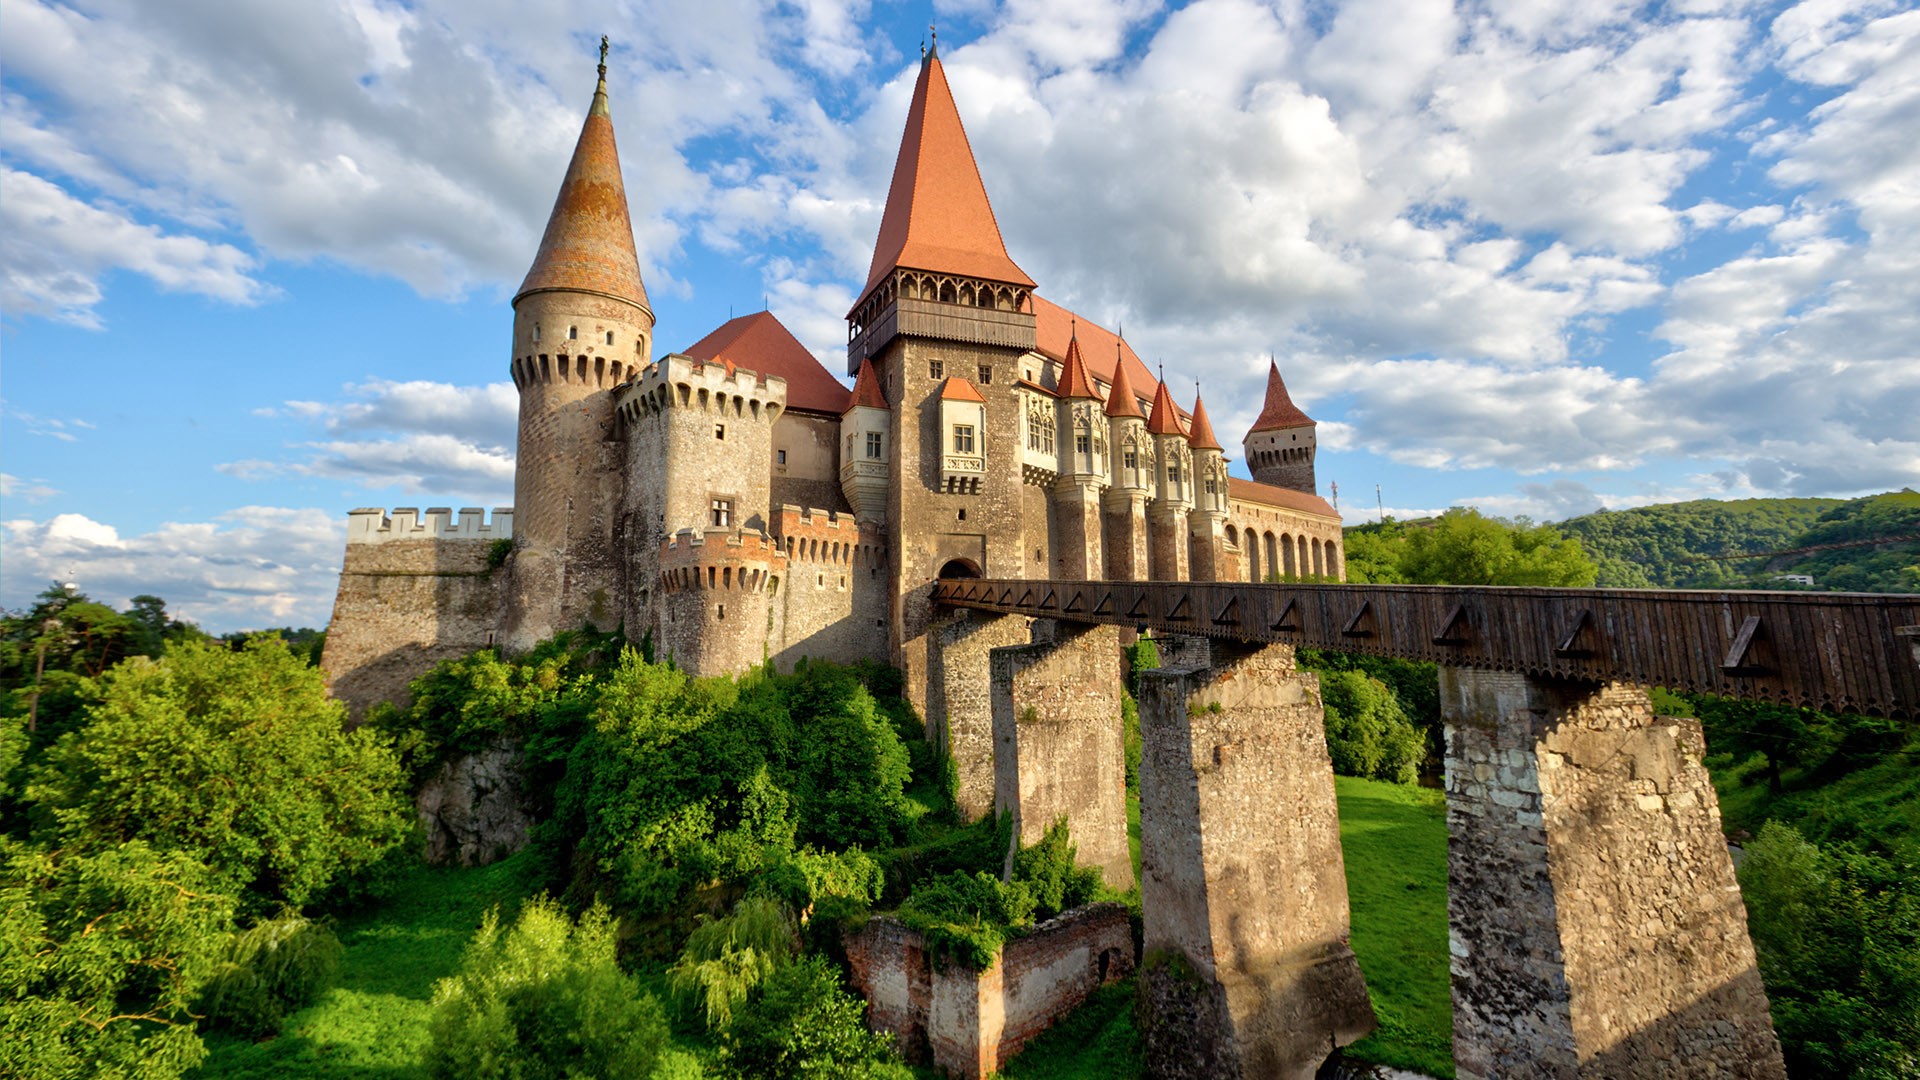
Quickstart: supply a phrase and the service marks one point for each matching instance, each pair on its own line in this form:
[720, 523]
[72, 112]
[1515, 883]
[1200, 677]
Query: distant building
[738, 503]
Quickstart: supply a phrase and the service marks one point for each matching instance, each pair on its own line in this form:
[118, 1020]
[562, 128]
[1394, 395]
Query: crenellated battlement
[810, 535]
[721, 390]
[373, 525]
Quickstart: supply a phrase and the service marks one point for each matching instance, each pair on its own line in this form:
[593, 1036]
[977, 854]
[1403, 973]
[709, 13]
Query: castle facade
[740, 504]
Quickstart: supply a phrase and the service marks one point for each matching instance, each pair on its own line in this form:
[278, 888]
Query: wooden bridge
[1844, 652]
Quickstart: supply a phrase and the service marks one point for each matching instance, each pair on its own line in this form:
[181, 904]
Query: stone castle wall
[967, 1022]
[415, 589]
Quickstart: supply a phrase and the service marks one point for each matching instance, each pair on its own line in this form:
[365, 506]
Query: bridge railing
[1836, 651]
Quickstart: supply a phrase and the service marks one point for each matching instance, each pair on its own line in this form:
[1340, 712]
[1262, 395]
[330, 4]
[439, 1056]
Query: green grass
[374, 1023]
[1394, 837]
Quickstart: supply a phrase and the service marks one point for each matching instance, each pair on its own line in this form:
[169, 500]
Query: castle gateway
[739, 503]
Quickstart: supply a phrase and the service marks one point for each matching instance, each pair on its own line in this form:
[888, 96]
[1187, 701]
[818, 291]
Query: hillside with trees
[1694, 545]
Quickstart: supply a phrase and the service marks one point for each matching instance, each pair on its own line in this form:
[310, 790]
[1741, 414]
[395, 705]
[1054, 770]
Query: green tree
[237, 757]
[101, 956]
[543, 998]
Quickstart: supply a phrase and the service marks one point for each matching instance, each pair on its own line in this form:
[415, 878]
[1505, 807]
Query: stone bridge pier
[1247, 970]
[1595, 925]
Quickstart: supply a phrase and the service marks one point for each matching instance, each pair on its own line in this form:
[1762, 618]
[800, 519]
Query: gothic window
[963, 438]
[720, 513]
[936, 369]
[986, 374]
[873, 444]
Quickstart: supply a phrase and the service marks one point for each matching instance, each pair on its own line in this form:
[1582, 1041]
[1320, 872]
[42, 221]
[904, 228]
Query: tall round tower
[581, 327]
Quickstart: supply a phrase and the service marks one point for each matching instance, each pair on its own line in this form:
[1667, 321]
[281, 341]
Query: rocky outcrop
[474, 808]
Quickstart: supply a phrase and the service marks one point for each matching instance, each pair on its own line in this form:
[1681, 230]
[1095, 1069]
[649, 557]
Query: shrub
[275, 968]
[802, 1023]
[543, 998]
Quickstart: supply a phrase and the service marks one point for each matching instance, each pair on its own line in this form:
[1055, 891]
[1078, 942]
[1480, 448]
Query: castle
[739, 504]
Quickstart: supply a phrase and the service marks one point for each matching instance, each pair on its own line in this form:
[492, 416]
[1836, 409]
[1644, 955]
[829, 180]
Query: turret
[865, 429]
[1280, 445]
[582, 326]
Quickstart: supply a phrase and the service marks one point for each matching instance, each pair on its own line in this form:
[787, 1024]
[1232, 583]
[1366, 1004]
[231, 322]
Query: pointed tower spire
[938, 217]
[1074, 382]
[1200, 435]
[1120, 398]
[1165, 418]
[1279, 411]
[588, 245]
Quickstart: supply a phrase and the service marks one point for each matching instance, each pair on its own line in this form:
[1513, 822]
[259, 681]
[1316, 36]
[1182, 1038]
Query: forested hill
[1671, 545]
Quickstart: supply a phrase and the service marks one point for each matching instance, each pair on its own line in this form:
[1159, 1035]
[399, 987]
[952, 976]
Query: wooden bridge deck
[1835, 651]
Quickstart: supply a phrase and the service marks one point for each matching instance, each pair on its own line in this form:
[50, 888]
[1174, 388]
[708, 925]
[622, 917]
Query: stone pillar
[1595, 925]
[1058, 746]
[1168, 530]
[1247, 970]
[959, 705]
[1126, 540]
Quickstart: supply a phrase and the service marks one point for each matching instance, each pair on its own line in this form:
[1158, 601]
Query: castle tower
[581, 326]
[1173, 488]
[1131, 467]
[946, 314]
[1082, 441]
[1207, 523]
[865, 430]
[1280, 445]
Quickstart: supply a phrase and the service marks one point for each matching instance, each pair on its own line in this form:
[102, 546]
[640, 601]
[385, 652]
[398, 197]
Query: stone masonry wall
[1597, 929]
[405, 604]
[1058, 745]
[969, 1023]
[1248, 970]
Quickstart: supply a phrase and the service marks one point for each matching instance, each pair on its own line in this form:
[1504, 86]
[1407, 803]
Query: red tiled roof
[866, 389]
[588, 245]
[959, 389]
[1283, 498]
[1279, 411]
[1200, 432]
[1120, 398]
[1165, 418]
[1073, 375]
[760, 344]
[938, 217]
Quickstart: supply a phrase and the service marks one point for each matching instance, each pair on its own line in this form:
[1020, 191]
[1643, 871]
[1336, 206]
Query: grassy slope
[374, 1023]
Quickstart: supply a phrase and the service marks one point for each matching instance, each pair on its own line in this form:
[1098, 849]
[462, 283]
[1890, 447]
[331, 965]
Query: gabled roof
[866, 389]
[1120, 399]
[1165, 417]
[1073, 375]
[938, 217]
[1285, 498]
[588, 245]
[1279, 411]
[1200, 432]
[760, 344]
[959, 389]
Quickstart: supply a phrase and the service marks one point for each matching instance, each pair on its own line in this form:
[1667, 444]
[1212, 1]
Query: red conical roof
[1073, 374]
[1165, 418]
[763, 345]
[1200, 434]
[1279, 410]
[588, 245]
[866, 389]
[1120, 398]
[938, 217]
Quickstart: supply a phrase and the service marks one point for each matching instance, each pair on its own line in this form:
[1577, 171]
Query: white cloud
[252, 567]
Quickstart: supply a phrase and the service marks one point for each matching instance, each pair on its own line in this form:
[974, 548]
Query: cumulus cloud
[252, 567]
[422, 438]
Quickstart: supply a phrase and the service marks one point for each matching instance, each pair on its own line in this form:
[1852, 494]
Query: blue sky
[1537, 257]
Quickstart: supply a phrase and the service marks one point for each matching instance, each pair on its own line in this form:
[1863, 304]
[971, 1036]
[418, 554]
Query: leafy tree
[101, 955]
[1368, 734]
[800, 1024]
[239, 758]
[543, 998]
